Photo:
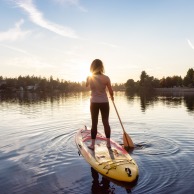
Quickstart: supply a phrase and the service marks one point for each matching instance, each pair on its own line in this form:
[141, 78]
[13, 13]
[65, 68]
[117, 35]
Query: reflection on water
[32, 98]
[171, 99]
[38, 152]
[100, 186]
[105, 185]
[146, 100]
[189, 102]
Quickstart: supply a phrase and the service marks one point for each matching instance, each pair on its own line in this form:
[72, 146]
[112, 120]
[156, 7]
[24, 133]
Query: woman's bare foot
[92, 144]
[91, 147]
[108, 146]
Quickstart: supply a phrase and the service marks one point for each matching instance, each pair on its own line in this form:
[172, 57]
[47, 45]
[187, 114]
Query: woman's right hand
[112, 98]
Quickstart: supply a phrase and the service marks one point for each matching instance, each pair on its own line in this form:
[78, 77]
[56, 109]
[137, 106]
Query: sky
[62, 37]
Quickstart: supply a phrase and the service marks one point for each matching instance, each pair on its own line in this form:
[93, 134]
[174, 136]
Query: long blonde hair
[97, 67]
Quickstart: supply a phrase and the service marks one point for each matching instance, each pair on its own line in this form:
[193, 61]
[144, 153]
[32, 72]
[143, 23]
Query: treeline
[34, 83]
[148, 83]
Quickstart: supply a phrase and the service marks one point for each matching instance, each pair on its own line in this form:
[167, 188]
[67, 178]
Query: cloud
[37, 18]
[190, 44]
[72, 2]
[109, 44]
[22, 59]
[15, 49]
[15, 33]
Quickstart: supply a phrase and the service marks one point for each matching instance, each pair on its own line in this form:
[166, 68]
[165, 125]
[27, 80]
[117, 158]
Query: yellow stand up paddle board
[114, 162]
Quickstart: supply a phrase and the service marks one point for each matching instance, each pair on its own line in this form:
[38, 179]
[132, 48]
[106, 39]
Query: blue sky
[62, 37]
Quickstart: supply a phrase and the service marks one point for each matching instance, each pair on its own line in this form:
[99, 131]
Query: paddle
[127, 141]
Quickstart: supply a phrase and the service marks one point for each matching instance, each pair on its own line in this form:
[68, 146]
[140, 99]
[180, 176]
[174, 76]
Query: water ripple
[156, 145]
[38, 152]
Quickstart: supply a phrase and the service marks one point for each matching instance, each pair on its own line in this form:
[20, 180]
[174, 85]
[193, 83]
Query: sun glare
[83, 75]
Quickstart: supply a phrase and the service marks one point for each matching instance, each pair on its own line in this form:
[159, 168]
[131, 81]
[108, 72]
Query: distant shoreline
[175, 89]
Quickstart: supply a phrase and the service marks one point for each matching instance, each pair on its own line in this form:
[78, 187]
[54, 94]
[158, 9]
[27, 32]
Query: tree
[143, 78]
[146, 81]
[189, 78]
[156, 83]
[177, 81]
[130, 85]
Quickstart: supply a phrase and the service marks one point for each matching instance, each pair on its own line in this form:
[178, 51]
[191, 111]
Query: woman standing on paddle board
[98, 83]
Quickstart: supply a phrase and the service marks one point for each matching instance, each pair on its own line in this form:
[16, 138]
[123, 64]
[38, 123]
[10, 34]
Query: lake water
[38, 154]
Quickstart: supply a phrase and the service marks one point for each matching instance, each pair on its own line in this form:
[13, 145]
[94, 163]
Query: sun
[83, 75]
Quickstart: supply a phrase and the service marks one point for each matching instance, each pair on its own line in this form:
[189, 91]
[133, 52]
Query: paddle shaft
[121, 124]
[118, 116]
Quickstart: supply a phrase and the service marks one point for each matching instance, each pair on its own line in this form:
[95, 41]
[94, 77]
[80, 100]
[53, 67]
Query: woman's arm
[110, 90]
[87, 81]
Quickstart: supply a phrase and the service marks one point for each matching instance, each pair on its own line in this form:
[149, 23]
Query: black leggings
[104, 109]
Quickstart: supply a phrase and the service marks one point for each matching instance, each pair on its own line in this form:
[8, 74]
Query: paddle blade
[127, 141]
